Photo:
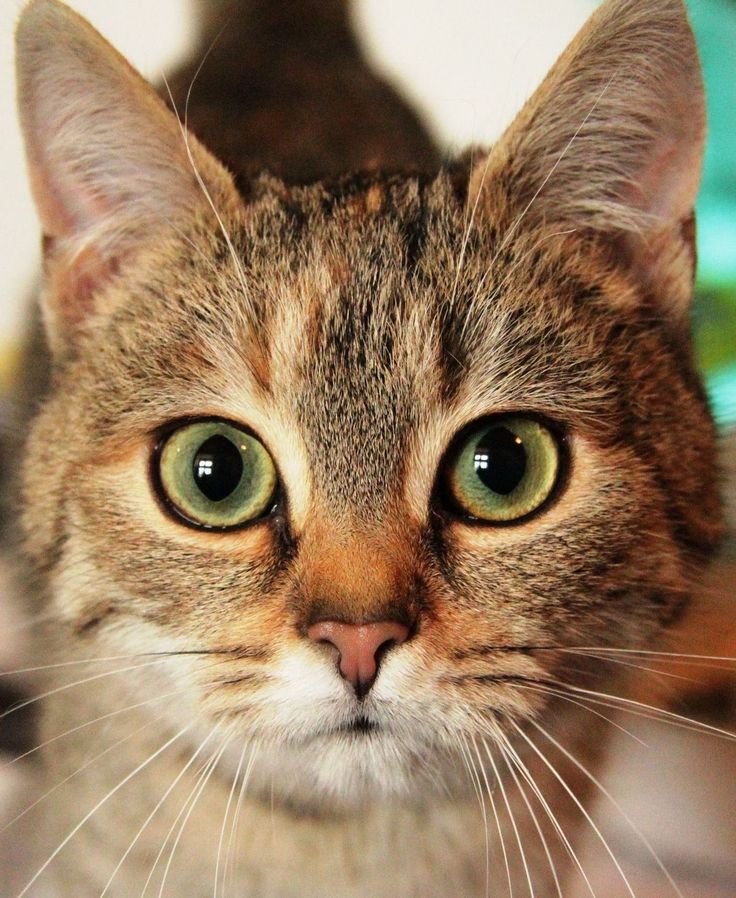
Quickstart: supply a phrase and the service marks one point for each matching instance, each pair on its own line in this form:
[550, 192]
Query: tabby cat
[351, 459]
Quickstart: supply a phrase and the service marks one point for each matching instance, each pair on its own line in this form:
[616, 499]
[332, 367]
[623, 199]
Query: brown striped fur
[357, 324]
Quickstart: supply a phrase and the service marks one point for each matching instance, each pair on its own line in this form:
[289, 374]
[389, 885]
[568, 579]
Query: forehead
[355, 316]
[369, 320]
[390, 316]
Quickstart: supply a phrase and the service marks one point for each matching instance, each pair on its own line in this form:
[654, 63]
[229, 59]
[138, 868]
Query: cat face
[364, 339]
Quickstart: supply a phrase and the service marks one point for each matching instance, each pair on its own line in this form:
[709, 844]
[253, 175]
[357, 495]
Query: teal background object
[714, 312]
[714, 22]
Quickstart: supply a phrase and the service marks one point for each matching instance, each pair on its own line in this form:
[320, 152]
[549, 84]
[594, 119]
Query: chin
[349, 768]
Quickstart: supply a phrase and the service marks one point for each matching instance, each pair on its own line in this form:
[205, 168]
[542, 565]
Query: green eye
[504, 470]
[216, 475]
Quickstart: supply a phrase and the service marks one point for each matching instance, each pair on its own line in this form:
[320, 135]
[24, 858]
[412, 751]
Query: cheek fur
[498, 591]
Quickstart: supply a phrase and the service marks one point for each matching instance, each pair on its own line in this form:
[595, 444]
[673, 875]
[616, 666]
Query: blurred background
[468, 66]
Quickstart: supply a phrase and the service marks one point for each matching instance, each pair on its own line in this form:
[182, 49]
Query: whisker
[578, 803]
[527, 775]
[199, 776]
[650, 652]
[465, 753]
[468, 231]
[579, 703]
[232, 838]
[563, 690]
[653, 670]
[532, 814]
[631, 705]
[82, 661]
[225, 818]
[604, 791]
[96, 808]
[708, 662]
[554, 168]
[37, 698]
[89, 723]
[79, 770]
[489, 791]
[188, 814]
[153, 813]
[183, 127]
[512, 817]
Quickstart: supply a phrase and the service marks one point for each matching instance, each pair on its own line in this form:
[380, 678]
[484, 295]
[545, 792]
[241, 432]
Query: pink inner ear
[66, 205]
[612, 140]
[56, 217]
[666, 187]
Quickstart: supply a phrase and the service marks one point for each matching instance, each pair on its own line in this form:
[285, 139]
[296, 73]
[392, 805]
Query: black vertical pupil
[217, 467]
[500, 460]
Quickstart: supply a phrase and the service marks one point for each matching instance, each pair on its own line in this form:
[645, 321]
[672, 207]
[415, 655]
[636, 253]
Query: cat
[354, 466]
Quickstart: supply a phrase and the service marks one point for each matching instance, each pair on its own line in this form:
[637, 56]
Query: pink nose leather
[359, 646]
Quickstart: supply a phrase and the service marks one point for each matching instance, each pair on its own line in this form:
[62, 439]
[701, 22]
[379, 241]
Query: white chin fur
[303, 758]
[341, 772]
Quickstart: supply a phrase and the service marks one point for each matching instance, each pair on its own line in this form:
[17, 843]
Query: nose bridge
[358, 578]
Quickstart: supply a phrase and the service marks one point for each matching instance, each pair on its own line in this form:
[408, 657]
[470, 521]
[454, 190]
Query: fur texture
[357, 325]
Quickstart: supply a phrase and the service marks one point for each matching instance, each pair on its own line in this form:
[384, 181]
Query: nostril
[361, 647]
[384, 647]
[323, 633]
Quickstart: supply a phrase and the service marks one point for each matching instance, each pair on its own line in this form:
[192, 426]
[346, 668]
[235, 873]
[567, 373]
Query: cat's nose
[360, 647]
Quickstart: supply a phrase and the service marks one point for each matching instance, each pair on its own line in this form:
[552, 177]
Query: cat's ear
[612, 141]
[108, 162]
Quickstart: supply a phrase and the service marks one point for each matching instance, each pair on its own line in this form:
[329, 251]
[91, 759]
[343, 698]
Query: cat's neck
[388, 850]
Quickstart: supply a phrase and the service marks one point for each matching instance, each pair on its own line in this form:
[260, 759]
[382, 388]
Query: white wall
[468, 65]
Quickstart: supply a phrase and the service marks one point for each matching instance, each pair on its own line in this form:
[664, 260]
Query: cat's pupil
[217, 468]
[500, 460]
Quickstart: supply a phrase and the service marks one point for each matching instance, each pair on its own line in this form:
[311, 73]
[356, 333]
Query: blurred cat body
[356, 325]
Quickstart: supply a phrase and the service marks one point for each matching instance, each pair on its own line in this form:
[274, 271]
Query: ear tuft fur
[108, 161]
[613, 138]
[612, 143]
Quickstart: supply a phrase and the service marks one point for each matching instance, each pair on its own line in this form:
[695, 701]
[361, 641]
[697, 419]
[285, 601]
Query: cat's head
[371, 456]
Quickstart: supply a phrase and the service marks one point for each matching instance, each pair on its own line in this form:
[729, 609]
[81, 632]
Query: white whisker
[633, 666]
[465, 754]
[79, 662]
[79, 770]
[526, 774]
[96, 808]
[489, 791]
[225, 818]
[232, 838]
[183, 127]
[512, 817]
[468, 231]
[517, 223]
[604, 791]
[594, 826]
[535, 820]
[160, 802]
[188, 814]
[89, 723]
[632, 706]
[108, 673]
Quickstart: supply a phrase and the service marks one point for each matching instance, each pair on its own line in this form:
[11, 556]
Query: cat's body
[357, 327]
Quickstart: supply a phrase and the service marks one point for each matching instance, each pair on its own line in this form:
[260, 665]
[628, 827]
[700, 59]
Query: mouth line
[358, 725]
